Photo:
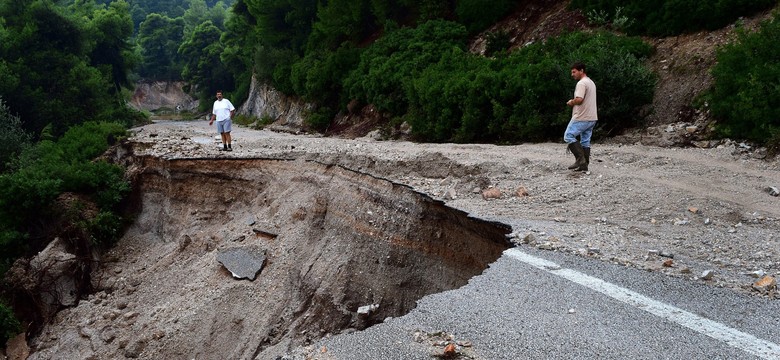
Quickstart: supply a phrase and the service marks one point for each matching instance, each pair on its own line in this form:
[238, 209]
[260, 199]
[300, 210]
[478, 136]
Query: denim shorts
[582, 128]
[223, 126]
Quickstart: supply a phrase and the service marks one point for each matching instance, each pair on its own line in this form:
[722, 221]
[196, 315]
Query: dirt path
[703, 209]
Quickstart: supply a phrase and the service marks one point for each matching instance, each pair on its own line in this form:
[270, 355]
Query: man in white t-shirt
[583, 118]
[223, 112]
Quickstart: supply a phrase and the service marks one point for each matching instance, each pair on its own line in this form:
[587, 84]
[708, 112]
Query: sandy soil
[681, 211]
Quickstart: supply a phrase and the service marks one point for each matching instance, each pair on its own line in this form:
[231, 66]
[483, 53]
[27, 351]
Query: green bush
[319, 75]
[521, 97]
[669, 17]
[13, 138]
[746, 87]
[396, 58]
[497, 43]
[50, 168]
[9, 325]
[320, 119]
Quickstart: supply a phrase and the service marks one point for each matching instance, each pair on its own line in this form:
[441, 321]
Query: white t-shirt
[586, 89]
[222, 109]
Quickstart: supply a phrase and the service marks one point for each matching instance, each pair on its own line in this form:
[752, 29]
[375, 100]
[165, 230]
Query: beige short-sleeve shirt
[585, 89]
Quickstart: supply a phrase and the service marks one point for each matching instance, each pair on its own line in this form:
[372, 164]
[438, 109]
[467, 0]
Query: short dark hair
[219, 91]
[578, 65]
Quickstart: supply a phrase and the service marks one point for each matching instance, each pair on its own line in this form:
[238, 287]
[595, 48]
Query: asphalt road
[533, 304]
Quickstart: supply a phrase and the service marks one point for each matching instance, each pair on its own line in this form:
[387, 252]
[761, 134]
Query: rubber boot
[587, 156]
[579, 156]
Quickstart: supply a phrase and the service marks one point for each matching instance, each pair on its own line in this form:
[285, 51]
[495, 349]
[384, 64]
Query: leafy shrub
[669, 17]
[520, 97]
[13, 139]
[319, 75]
[50, 168]
[9, 325]
[745, 90]
[319, 119]
[105, 228]
[397, 57]
[497, 43]
[245, 120]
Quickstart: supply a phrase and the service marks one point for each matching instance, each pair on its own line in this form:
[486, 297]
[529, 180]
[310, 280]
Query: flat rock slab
[243, 263]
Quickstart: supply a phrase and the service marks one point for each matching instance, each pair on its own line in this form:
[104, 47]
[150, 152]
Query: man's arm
[576, 101]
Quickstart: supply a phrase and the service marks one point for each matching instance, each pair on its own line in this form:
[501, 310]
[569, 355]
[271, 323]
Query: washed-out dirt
[350, 223]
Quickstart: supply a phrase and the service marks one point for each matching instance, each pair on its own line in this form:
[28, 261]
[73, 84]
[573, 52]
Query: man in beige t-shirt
[583, 118]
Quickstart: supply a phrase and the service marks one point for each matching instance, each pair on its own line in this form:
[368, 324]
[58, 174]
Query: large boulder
[264, 101]
[51, 278]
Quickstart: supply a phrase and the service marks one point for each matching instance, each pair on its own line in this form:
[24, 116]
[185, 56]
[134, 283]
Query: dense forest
[67, 68]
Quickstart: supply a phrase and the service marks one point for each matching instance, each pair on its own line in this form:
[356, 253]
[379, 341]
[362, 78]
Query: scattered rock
[668, 263]
[666, 254]
[17, 348]
[774, 191]
[756, 274]
[765, 285]
[265, 234]
[108, 334]
[694, 210]
[707, 275]
[529, 239]
[243, 263]
[449, 351]
[450, 194]
[367, 309]
[184, 242]
[685, 270]
[135, 349]
[521, 192]
[491, 193]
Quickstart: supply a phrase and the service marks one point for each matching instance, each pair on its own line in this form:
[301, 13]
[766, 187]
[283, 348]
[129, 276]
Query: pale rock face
[265, 101]
[154, 95]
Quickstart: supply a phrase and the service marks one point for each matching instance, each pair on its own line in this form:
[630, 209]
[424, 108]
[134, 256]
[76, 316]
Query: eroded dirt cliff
[335, 240]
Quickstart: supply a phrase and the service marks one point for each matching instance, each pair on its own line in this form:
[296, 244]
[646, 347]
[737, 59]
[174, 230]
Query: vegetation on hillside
[669, 17]
[65, 68]
[746, 85]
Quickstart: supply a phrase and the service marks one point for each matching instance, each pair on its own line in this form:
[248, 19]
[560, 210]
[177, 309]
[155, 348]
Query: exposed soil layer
[335, 240]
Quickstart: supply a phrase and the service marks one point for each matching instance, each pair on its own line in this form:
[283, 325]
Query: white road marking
[733, 337]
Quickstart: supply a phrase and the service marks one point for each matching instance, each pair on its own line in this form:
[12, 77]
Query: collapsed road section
[341, 250]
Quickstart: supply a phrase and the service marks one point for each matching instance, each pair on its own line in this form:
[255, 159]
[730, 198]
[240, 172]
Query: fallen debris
[774, 191]
[765, 285]
[243, 263]
[707, 275]
[491, 193]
